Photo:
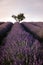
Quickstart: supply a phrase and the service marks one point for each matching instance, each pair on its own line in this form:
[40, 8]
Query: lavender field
[19, 46]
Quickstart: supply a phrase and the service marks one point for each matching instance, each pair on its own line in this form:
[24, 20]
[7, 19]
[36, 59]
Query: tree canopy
[19, 17]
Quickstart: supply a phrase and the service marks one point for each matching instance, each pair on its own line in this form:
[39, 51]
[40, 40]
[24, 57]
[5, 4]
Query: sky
[32, 9]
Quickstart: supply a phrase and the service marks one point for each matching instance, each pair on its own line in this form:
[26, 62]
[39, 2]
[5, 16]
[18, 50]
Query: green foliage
[20, 56]
[7, 61]
[20, 17]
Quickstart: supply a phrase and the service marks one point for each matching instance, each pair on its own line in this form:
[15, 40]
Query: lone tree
[19, 17]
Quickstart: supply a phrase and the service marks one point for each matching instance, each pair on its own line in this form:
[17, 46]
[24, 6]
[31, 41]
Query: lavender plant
[24, 54]
[21, 48]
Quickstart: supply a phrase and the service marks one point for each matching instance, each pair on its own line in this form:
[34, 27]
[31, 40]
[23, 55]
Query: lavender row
[20, 48]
